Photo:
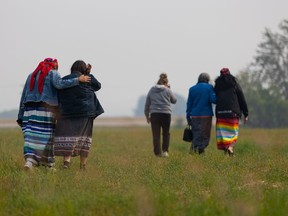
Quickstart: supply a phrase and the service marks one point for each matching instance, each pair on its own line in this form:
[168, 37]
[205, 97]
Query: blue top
[52, 82]
[200, 99]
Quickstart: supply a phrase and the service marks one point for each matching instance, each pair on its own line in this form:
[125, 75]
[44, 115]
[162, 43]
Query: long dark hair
[225, 81]
[79, 66]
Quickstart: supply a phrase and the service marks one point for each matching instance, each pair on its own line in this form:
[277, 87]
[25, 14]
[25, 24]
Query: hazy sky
[129, 42]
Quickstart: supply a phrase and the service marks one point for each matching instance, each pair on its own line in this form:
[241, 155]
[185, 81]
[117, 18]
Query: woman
[158, 111]
[79, 107]
[37, 111]
[230, 105]
[199, 112]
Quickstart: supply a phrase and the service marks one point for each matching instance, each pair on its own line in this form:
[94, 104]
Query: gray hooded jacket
[159, 100]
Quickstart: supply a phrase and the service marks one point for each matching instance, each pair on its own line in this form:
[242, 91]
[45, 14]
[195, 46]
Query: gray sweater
[159, 100]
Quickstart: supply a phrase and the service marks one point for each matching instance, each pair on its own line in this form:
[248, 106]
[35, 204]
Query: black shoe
[83, 167]
[201, 151]
[66, 165]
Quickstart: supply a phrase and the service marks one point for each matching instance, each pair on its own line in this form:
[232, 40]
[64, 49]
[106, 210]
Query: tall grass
[123, 177]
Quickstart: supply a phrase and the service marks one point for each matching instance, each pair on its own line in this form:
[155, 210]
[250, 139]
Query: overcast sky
[129, 42]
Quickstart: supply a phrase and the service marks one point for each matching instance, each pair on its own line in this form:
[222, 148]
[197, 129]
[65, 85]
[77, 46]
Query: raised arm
[60, 83]
[95, 84]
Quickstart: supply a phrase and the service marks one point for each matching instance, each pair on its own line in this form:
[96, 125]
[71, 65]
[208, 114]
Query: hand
[148, 120]
[19, 122]
[189, 121]
[84, 79]
[55, 67]
[88, 69]
[245, 119]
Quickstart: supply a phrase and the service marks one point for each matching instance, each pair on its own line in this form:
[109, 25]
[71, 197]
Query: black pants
[158, 121]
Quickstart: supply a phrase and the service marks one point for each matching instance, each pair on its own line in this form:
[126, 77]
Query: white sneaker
[28, 165]
[165, 154]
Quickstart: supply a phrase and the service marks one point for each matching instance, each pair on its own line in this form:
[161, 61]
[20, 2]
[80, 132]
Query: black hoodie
[231, 102]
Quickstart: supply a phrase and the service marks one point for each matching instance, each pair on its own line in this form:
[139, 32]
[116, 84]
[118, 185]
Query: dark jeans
[158, 121]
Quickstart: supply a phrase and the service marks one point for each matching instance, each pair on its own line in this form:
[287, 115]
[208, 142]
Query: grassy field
[123, 177]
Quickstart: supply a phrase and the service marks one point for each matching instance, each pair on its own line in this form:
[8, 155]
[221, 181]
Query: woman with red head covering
[37, 111]
[230, 106]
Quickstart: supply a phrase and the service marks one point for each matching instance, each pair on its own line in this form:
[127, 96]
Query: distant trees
[9, 114]
[265, 81]
[179, 109]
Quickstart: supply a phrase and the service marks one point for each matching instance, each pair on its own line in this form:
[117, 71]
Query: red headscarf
[225, 71]
[44, 66]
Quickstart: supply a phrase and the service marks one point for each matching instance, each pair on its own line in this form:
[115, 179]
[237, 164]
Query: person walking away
[158, 112]
[79, 106]
[38, 109]
[199, 113]
[231, 104]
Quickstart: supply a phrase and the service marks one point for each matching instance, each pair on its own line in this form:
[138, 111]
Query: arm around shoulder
[95, 84]
[60, 83]
[213, 98]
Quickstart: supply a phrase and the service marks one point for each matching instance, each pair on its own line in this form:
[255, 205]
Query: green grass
[123, 177]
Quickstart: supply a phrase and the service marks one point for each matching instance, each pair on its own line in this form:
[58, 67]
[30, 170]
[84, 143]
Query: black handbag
[188, 135]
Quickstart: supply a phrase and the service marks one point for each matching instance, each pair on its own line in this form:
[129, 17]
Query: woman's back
[79, 101]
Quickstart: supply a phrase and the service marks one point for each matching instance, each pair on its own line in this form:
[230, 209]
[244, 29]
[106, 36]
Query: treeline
[9, 114]
[265, 81]
[178, 109]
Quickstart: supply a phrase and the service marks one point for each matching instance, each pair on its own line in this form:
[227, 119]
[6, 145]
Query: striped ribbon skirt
[73, 137]
[38, 130]
[226, 132]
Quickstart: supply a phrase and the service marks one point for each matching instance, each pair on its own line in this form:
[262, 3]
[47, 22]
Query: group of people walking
[230, 106]
[56, 114]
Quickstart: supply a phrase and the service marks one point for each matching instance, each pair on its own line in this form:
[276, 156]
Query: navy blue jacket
[80, 101]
